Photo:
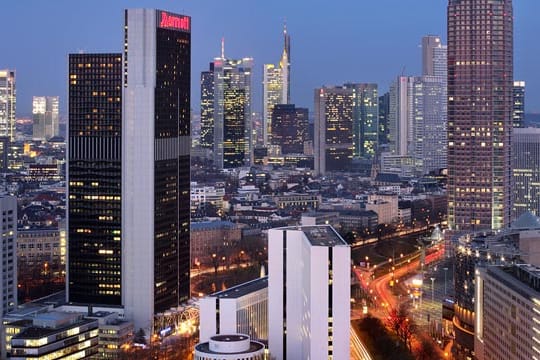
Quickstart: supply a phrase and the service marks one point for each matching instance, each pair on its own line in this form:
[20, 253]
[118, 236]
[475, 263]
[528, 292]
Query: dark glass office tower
[155, 163]
[207, 108]
[94, 166]
[480, 79]
[384, 110]
[289, 128]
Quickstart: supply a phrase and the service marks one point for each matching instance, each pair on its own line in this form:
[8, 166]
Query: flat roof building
[309, 293]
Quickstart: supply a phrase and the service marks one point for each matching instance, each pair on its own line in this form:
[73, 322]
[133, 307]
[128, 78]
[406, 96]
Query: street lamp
[432, 289]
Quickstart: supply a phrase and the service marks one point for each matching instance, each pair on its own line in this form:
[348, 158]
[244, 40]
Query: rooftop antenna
[223, 48]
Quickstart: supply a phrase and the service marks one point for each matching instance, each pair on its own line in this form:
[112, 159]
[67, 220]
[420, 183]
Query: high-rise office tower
[525, 171]
[400, 129]
[429, 146]
[480, 79]
[207, 108]
[434, 55]
[155, 163]
[366, 119]
[276, 86]
[232, 112]
[431, 151]
[8, 266]
[45, 117]
[333, 129]
[7, 103]
[384, 110]
[308, 293]
[95, 181]
[518, 104]
[289, 128]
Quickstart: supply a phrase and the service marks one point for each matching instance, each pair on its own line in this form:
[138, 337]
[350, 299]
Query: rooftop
[243, 289]
[320, 235]
[35, 332]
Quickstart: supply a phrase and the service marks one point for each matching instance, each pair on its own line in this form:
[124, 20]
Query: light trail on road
[358, 350]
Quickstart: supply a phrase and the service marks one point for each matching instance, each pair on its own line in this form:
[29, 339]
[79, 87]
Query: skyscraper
[7, 103]
[8, 266]
[94, 173]
[434, 55]
[45, 117]
[207, 108]
[525, 171]
[384, 110]
[155, 163]
[232, 112]
[334, 115]
[276, 86]
[480, 79]
[366, 119]
[289, 128]
[428, 146]
[518, 104]
[400, 127]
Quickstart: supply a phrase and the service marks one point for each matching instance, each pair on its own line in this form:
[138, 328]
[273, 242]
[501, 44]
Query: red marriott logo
[175, 22]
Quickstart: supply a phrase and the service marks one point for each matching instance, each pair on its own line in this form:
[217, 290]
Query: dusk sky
[332, 41]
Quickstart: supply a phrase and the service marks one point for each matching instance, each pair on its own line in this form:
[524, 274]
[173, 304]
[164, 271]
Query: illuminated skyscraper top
[276, 86]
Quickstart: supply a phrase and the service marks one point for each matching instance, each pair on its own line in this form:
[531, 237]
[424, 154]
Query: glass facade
[366, 120]
[289, 128]
[207, 108]
[8, 98]
[171, 175]
[94, 215]
[232, 112]
[334, 118]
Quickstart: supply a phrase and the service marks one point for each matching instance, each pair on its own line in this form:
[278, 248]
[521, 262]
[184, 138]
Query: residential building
[213, 238]
[518, 104]
[241, 309]
[8, 102]
[480, 80]
[308, 320]
[525, 171]
[95, 179]
[45, 117]
[155, 163]
[289, 128]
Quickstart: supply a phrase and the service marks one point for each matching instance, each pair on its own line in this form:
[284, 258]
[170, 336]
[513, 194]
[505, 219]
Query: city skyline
[312, 46]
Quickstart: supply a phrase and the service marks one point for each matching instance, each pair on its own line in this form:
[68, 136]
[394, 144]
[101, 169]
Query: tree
[399, 322]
